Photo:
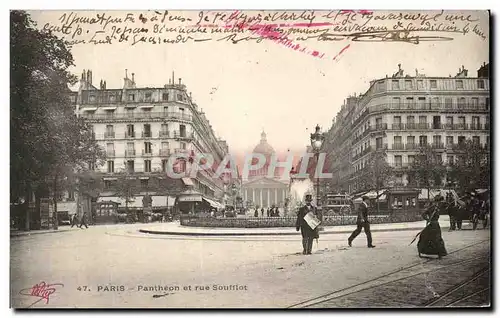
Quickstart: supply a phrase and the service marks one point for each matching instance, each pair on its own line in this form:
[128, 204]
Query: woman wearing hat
[431, 241]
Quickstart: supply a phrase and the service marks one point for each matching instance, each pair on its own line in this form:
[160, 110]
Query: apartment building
[140, 128]
[401, 112]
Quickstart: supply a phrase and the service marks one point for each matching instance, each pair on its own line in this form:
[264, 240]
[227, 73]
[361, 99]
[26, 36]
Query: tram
[338, 204]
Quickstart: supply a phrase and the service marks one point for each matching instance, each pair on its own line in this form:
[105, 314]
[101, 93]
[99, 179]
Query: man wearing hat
[308, 234]
[362, 222]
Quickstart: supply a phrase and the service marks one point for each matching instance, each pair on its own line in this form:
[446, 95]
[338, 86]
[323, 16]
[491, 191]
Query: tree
[48, 142]
[471, 167]
[377, 173]
[428, 168]
[126, 188]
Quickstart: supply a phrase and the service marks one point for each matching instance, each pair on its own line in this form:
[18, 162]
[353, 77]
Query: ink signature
[162, 295]
[381, 36]
[41, 290]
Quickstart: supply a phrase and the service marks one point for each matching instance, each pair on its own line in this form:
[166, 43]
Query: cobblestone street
[257, 272]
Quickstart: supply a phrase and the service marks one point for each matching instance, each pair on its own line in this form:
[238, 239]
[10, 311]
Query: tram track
[386, 279]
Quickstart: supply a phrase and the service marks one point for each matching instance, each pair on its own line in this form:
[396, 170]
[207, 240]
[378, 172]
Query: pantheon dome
[264, 147]
[267, 150]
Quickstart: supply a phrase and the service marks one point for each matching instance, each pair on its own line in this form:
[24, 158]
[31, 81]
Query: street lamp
[316, 142]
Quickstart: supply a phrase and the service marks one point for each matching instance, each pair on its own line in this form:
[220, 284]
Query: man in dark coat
[308, 234]
[83, 221]
[362, 223]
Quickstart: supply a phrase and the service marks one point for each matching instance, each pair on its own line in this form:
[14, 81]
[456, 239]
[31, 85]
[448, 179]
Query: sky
[247, 87]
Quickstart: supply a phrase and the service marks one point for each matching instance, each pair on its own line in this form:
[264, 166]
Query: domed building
[262, 190]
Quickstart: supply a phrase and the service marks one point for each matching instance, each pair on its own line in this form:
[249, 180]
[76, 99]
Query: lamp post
[316, 142]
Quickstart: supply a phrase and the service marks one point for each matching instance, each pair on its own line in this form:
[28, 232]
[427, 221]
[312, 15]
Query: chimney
[190, 95]
[90, 77]
[180, 81]
[133, 80]
[126, 73]
[83, 75]
[104, 84]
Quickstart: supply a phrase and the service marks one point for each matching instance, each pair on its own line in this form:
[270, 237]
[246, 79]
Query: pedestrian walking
[74, 220]
[83, 221]
[431, 240]
[308, 233]
[256, 213]
[362, 223]
[451, 209]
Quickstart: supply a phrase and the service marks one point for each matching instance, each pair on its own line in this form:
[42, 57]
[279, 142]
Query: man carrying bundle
[307, 222]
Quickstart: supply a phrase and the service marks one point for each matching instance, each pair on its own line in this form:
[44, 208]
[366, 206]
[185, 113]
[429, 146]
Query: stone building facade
[401, 112]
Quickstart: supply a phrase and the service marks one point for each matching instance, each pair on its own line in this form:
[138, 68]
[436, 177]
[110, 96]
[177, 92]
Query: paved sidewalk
[34, 232]
[174, 228]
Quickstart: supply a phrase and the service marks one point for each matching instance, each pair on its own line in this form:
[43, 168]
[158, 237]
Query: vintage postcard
[250, 159]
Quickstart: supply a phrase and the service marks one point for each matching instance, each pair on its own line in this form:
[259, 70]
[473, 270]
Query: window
[448, 102]
[410, 140]
[475, 103]
[130, 166]
[410, 119]
[107, 184]
[130, 130]
[461, 103]
[110, 149]
[480, 84]
[164, 165]
[421, 102]
[449, 140]
[410, 101]
[461, 122]
[395, 84]
[436, 122]
[435, 101]
[148, 97]
[397, 139]
[147, 130]
[112, 98]
[111, 166]
[398, 161]
[420, 84]
[423, 140]
[164, 130]
[131, 97]
[460, 84]
[487, 103]
[476, 140]
[408, 84]
[461, 140]
[378, 142]
[110, 133]
[411, 159]
[71, 195]
[92, 98]
[147, 147]
[180, 97]
[436, 140]
[182, 130]
[380, 86]
[144, 183]
[183, 145]
[475, 122]
[396, 101]
[433, 84]
[147, 165]
[164, 97]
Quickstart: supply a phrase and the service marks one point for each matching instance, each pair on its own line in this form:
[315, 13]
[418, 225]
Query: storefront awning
[157, 201]
[109, 108]
[130, 106]
[188, 181]
[213, 204]
[146, 106]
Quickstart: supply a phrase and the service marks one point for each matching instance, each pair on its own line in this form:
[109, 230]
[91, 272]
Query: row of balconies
[459, 107]
[420, 126]
[415, 146]
[132, 153]
[146, 134]
[137, 115]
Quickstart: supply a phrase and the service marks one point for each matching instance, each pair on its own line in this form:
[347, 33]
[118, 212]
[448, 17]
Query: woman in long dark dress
[431, 241]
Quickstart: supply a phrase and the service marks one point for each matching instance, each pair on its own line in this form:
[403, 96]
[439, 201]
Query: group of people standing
[271, 212]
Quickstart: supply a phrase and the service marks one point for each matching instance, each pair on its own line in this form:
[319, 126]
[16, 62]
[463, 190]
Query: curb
[268, 234]
[36, 233]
